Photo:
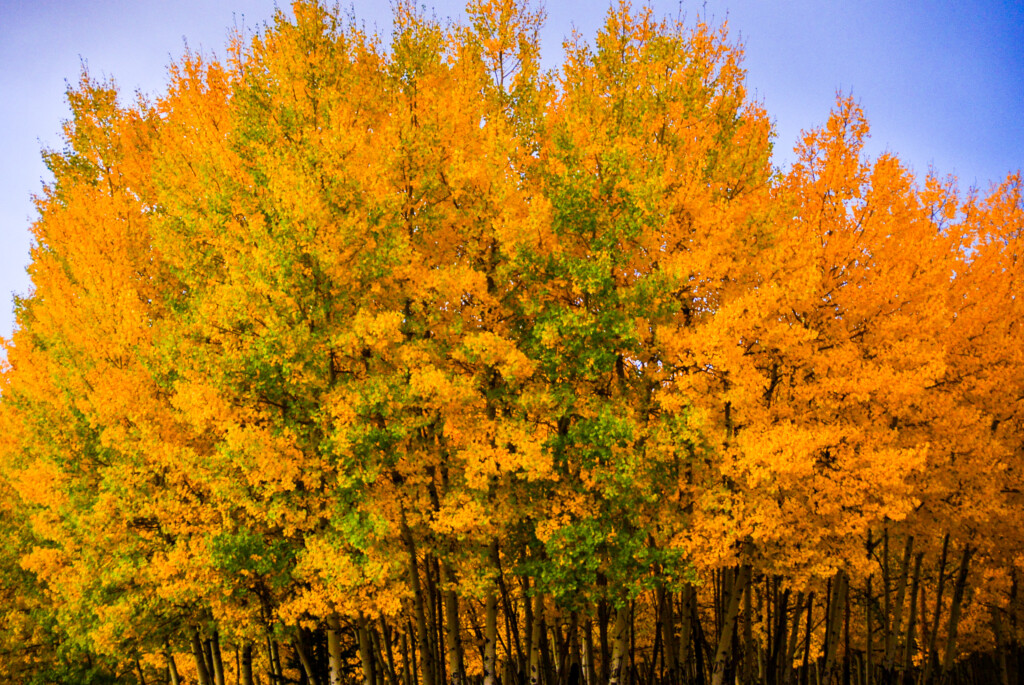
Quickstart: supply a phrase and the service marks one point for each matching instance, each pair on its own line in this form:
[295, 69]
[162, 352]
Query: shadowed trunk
[197, 651]
[725, 639]
[246, 669]
[954, 614]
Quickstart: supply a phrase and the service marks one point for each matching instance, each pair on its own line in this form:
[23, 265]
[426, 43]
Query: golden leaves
[334, 302]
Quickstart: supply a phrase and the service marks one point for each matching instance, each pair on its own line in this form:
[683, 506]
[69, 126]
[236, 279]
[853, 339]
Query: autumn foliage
[411, 363]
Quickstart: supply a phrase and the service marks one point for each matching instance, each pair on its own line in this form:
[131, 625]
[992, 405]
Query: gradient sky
[942, 83]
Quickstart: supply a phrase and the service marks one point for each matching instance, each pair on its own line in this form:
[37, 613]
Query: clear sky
[942, 82]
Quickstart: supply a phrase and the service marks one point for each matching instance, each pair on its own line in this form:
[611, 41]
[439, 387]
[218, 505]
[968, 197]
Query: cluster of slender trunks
[735, 625]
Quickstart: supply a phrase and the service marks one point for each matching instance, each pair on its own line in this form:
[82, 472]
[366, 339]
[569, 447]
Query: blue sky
[942, 83]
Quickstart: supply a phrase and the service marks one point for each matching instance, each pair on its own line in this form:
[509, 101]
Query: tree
[417, 364]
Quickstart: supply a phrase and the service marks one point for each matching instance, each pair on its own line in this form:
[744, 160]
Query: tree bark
[698, 641]
[729, 625]
[749, 653]
[138, 669]
[869, 665]
[524, 584]
[897, 614]
[491, 616]
[668, 631]
[780, 651]
[451, 614]
[588, 653]
[887, 629]
[422, 632]
[846, 634]
[835, 613]
[603, 617]
[536, 635]
[409, 657]
[366, 651]
[954, 614]
[686, 625]
[908, 650]
[546, 661]
[305, 658]
[387, 652]
[197, 651]
[619, 646]
[1001, 646]
[218, 661]
[794, 639]
[208, 655]
[435, 629]
[274, 657]
[806, 672]
[511, 620]
[334, 664]
[246, 670]
[932, 656]
[172, 668]
[490, 638]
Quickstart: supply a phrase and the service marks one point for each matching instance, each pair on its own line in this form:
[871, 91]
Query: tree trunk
[908, 650]
[603, 616]
[887, 629]
[572, 662]
[451, 614]
[198, 652]
[725, 639]
[305, 658]
[575, 675]
[806, 671]
[686, 625]
[172, 668]
[366, 651]
[435, 628]
[794, 639]
[274, 657]
[780, 651]
[846, 634]
[897, 614]
[698, 641]
[380, 640]
[138, 669]
[208, 655]
[524, 672]
[334, 664]
[632, 678]
[511, 613]
[869, 656]
[422, 632]
[412, 675]
[246, 674]
[832, 628]
[218, 661]
[546, 662]
[932, 657]
[536, 635]
[954, 614]
[1001, 646]
[668, 631]
[588, 654]
[561, 650]
[749, 653]
[619, 647]
[490, 638]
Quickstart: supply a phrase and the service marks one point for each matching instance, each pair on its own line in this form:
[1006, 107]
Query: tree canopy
[410, 362]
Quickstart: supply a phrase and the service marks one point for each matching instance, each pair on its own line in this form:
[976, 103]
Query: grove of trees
[408, 363]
